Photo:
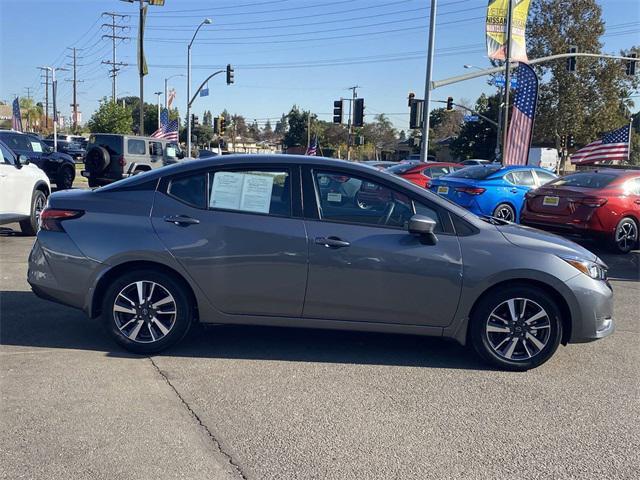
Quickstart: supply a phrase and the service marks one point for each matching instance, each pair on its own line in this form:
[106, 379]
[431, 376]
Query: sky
[285, 52]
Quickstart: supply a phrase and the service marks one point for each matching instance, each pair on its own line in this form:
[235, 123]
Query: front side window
[252, 191]
[135, 147]
[6, 156]
[351, 199]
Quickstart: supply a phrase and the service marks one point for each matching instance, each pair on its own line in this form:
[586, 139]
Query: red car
[598, 203]
[421, 173]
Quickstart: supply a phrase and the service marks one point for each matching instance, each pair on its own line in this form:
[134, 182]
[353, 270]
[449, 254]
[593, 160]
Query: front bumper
[593, 309]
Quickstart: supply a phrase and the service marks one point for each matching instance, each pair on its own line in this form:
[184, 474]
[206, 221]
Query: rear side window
[191, 190]
[135, 147]
[585, 180]
[520, 177]
[155, 148]
[401, 168]
[545, 177]
[111, 143]
[252, 191]
[435, 172]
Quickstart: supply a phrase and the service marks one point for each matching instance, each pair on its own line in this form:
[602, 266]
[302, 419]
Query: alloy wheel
[38, 206]
[144, 311]
[504, 212]
[518, 329]
[626, 235]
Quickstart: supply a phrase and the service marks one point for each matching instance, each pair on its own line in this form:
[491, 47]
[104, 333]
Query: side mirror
[22, 160]
[423, 227]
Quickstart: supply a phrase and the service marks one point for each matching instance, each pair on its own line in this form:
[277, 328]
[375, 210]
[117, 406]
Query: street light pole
[206, 21]
[158, 94]
[424, 148]
[507, 79]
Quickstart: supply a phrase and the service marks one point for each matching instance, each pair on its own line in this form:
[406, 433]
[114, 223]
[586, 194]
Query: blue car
[491, 189]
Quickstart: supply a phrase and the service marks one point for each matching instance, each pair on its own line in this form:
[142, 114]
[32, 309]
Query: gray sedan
[312, 242]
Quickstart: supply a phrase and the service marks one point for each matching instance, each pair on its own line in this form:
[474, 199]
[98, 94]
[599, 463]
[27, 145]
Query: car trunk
[451, 189]
[577, 202]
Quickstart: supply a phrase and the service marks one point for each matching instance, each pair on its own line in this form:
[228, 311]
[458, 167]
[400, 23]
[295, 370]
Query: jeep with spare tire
[111, 157]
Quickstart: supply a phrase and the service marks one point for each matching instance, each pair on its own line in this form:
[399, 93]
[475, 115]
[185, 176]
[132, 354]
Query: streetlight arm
[196, 33]
[202, 85]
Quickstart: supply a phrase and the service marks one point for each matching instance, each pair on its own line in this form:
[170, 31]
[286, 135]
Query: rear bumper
[101, 179]
[594, 309]
[563, 225]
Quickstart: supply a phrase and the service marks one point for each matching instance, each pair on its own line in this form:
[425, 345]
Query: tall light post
[166, 91]
[206, 21]
[499, 129]
[424, 148]
[158, 96]
[54, 90]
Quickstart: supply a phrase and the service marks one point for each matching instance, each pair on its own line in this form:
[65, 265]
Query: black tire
[625, 236]
[177, 325]
[93, 183]
[29, 226]
[66, 176]
[97, 159]
[490, 346]
[505, 212]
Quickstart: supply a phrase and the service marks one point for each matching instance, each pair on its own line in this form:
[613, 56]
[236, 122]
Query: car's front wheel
[625, 237]
[516, 328]
[147, 311]
[505, 211]
[29, 226]
[66, 175]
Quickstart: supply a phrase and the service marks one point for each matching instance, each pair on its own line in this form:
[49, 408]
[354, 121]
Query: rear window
[112, 143]
[585, 180]
[401, 168]
[477, 172]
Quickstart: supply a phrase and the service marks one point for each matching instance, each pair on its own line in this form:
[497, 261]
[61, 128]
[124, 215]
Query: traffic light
[359, 140]
[216, 126]
[223, 125]
[411, 97]
[358, 112]
[563, 142]
[337, 111]
[449, 104]
[570, 141]
[230, 74]
[631, 65]
[571, 61]
[416, 113]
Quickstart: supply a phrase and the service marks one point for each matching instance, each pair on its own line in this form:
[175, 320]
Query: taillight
[51, 218]
[471, 190]
[529, 195]
[593, 202]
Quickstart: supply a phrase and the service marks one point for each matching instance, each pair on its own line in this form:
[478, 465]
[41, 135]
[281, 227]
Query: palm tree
[31, 111]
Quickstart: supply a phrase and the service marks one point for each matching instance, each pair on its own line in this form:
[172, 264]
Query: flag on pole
[613, 146]
[16, 117]
[142, 62]
[496, 29]
[168, 128]
[171, 97]
[312, 149]
[516, 151]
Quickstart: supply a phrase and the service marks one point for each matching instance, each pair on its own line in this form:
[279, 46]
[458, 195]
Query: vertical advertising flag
[142, 62]
[516, 151]
[16, 116]
[497, 29]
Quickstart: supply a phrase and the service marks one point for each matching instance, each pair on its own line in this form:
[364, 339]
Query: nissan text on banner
[497, 29]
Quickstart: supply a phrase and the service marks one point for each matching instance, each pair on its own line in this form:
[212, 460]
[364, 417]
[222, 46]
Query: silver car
[312, 242]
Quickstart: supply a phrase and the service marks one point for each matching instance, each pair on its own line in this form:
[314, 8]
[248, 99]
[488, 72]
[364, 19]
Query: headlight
[594, 270]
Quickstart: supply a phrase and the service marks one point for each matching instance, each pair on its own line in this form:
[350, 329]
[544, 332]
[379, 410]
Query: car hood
[531, 238]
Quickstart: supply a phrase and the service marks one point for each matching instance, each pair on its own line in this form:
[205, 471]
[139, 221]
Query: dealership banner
[497, 29]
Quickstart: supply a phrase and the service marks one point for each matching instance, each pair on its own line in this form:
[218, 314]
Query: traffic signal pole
[354, 94]
[424, 147]
[507, 79]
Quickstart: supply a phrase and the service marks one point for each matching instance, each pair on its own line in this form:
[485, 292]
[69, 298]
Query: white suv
[24, 189]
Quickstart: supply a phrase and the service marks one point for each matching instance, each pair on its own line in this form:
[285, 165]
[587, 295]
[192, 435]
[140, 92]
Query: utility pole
[75, 81]
[116, 34]
[507, 80]
[28, 89]
[46, 96]
[354, 95]
[424, 147]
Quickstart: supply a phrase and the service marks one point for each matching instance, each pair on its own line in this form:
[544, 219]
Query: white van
[544, 157]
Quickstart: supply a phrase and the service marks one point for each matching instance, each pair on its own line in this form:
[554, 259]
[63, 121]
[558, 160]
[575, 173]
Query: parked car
[422, 173]
[111, 157]
[266, 240]
[474, 161]
[24, 190]
[59, 167]
[79, 139]
[74, 150]
[604, 204]
[492, 189]
[206, 153]
[379, 164]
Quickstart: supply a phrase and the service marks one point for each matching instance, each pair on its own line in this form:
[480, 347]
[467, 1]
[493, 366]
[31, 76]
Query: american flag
[168, 129]
[312, 149]
[16, 118]
[171, 97]
[516, 151]
[612, 146]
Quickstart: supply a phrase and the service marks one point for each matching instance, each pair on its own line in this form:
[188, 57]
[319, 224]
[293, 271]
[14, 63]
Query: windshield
[477, 172]
[584, 180]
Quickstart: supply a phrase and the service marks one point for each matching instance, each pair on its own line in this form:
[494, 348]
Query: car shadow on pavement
[27, 321]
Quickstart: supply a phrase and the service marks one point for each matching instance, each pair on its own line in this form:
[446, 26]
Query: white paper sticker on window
[1, 157]
[36, 147]
[171, 152]
[256, 193]
[334, 197]
[226, 191]
[242, 191]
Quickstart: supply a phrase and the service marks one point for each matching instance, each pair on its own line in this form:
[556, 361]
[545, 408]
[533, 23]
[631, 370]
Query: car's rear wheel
[66, 175]
[625, 237]
[505, 211]
[516, 328]
[147, 311]
[29, 226]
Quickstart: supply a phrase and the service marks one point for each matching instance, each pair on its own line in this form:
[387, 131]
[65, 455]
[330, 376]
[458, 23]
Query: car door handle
[637, 201]
[182, 220]
[331, 242]
[514, 190]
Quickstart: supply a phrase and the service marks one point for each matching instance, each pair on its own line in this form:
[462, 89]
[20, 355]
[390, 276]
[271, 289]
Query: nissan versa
[312, 242]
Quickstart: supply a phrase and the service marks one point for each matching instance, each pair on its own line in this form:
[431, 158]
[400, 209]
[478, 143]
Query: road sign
[471, 118]
[204, 92]
[499, 82]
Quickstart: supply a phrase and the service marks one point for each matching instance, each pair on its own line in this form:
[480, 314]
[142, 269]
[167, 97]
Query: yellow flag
[497, 29]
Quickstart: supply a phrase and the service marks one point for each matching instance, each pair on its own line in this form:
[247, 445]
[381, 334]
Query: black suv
[58, 166]
[73, 149]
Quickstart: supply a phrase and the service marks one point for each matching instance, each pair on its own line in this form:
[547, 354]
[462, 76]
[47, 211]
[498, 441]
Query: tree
[30, 112]
[589, 101]
[239, 126]
[150, 114]
[446, 123]
[267, 132]
[254, 131]
[478, 139]
[296, 135]
[281, 126]
[203, 133]
[111, 118]
[380, 134]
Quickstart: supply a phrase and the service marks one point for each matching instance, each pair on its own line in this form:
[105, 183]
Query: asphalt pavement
[267, 403]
